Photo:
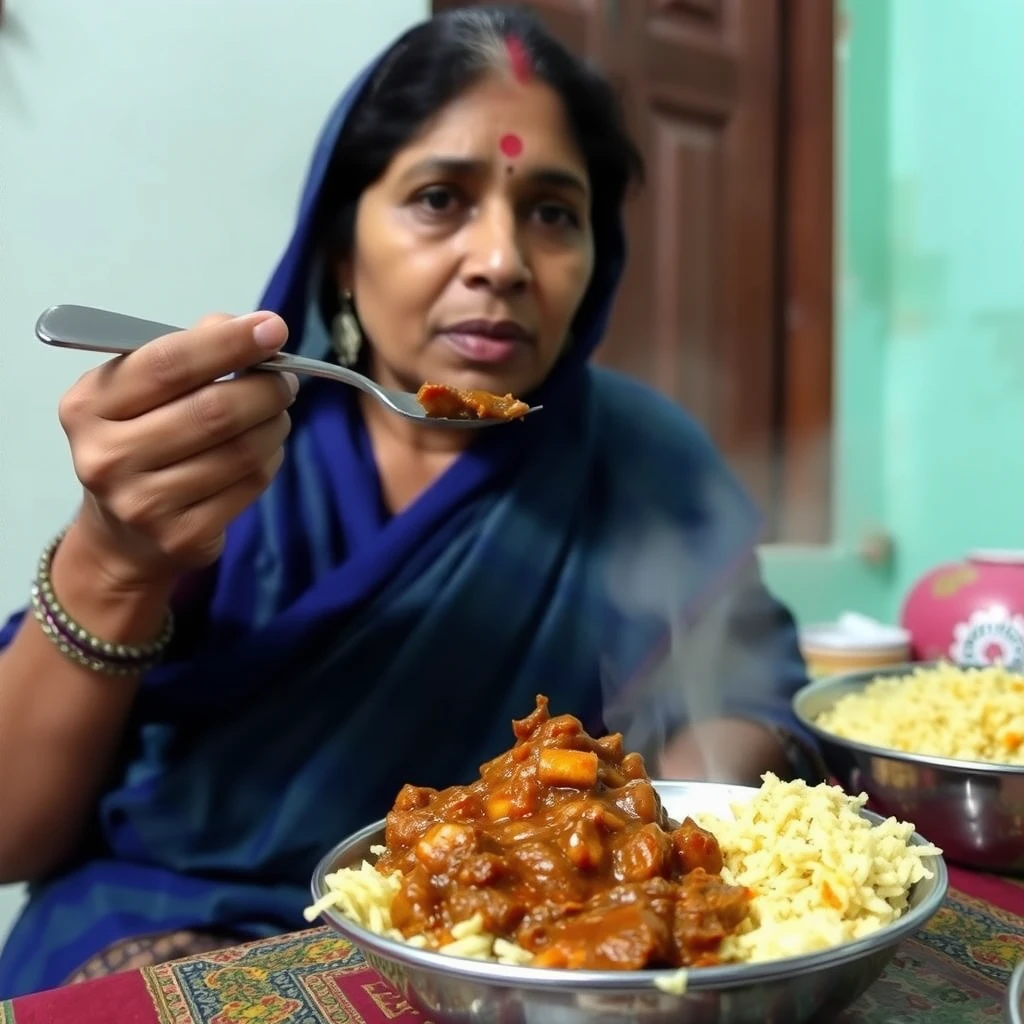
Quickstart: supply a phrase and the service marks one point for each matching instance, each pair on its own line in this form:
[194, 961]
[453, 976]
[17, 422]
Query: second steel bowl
[973, 810]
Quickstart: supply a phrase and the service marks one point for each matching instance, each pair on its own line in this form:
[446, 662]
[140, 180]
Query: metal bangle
[79, 645]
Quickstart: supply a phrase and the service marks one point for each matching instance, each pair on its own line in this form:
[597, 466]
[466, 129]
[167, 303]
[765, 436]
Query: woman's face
[474, 249]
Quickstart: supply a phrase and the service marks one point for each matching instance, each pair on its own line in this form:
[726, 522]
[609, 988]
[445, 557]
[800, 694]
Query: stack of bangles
[79, 645]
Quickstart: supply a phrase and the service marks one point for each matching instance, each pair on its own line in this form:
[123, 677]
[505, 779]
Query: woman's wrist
[95, 591]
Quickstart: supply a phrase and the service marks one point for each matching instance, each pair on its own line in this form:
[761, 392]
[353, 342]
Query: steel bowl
[1015, 996]
[795, 990]
[974, 810]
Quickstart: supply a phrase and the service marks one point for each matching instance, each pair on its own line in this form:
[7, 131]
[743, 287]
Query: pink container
[970, 612]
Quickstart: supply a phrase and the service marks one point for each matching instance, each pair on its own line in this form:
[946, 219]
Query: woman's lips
[483, 348]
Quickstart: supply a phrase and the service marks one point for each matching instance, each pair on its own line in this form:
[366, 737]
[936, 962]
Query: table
[954, 972]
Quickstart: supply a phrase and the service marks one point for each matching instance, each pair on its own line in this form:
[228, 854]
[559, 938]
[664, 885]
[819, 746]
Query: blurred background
[827, 262]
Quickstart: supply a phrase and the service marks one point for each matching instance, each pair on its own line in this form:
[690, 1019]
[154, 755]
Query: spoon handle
[97, 330]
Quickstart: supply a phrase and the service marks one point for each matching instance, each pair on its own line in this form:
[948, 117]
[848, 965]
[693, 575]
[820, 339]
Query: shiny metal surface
[798, 990]
[973, 810]
[1015, 996]
[98, 330]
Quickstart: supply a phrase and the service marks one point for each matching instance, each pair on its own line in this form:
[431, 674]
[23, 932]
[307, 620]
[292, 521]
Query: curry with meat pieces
[443, 401]
[562, 846]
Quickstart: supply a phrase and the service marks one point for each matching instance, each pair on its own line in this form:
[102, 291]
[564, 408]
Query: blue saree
[600, 553]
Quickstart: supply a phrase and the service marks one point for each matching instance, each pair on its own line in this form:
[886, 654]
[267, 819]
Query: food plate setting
[565, 885]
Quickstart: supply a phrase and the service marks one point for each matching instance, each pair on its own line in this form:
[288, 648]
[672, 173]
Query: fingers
[211, 320]
[165, 506]
[179, 363]
[151, 500]
[196, 534]
[200, 421]
[169, 450]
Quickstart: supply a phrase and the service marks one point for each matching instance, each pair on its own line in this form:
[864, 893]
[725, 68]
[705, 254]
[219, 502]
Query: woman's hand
[169, 454]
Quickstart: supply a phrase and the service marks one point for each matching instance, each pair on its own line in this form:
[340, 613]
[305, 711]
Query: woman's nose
[495, 257]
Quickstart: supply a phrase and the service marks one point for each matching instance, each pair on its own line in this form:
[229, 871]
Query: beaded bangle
[76, 643]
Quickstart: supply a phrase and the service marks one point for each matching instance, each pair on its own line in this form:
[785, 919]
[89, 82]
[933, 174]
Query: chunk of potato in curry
[562, 845]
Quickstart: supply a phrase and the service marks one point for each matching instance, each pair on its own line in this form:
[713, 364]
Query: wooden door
[697, 317]
[715, 273]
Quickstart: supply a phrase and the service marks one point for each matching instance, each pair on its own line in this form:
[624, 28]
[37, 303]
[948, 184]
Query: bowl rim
[826, 637]
[1015, 995]
[723, 976]
[865, 676]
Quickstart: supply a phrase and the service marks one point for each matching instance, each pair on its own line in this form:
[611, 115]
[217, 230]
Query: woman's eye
[437, 199]
[555, 215]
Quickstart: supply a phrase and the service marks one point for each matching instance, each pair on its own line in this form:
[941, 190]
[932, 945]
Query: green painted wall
[929, 434]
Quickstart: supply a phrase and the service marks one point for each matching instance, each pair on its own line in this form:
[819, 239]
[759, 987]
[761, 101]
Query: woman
[369, 603]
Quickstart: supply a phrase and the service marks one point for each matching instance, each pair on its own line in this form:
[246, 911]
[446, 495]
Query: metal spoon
[98, 330]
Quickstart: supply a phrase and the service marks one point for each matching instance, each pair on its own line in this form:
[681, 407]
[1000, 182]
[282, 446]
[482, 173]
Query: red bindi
[511, 145]
[518, 59]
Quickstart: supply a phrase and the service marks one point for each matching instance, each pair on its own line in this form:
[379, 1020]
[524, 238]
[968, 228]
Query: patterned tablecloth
[954, 972]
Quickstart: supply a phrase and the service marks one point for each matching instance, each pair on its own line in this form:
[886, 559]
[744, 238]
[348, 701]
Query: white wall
[150, 160]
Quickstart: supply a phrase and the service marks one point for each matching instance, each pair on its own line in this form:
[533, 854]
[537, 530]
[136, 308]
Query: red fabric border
[121, 998]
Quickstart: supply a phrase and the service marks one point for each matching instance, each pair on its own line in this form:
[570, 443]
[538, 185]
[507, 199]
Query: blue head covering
[341, 652]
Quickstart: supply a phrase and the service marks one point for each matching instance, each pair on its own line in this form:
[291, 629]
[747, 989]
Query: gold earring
[346, 332]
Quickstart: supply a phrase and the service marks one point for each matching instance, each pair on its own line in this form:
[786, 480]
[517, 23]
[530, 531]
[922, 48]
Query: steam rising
[683, 585]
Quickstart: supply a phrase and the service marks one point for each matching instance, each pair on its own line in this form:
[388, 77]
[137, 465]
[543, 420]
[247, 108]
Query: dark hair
[432, 64]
